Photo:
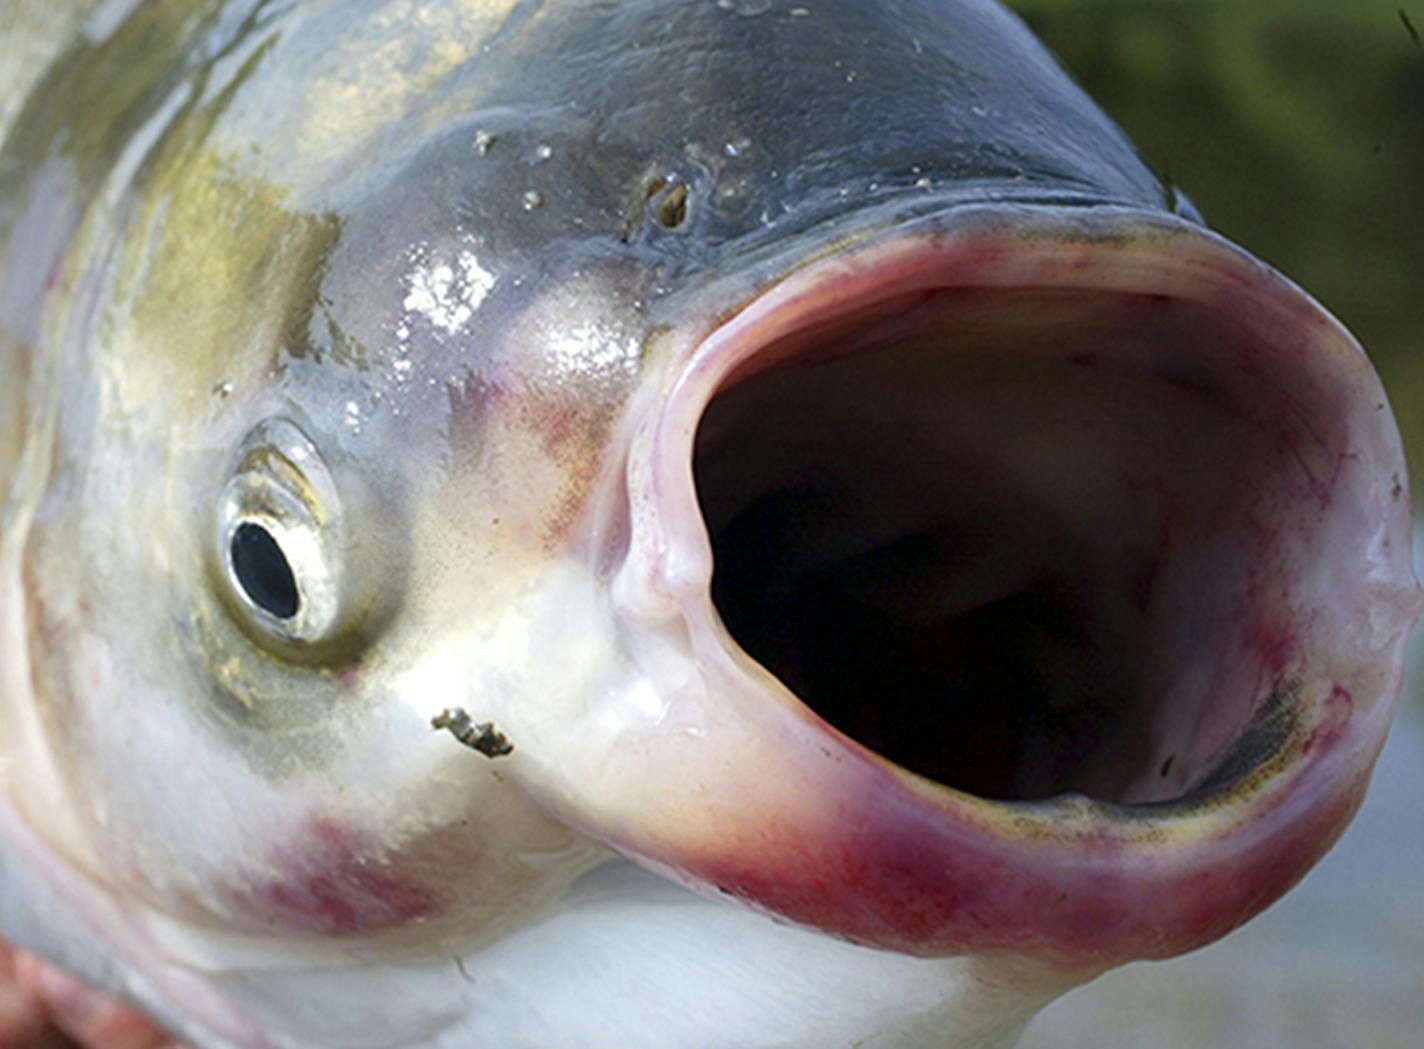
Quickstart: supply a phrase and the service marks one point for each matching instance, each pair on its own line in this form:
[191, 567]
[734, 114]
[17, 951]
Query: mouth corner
[1090, 516]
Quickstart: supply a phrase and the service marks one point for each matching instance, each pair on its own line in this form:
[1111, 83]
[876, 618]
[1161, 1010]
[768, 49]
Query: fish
[731, 523]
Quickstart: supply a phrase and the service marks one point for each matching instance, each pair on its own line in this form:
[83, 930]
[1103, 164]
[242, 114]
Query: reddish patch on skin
[1338, 709]
[474, 401]
[558, 423]
[1275, 646]
[926, 887]
[55, 272]
[893, 873]
[349, 676]
[336, 885]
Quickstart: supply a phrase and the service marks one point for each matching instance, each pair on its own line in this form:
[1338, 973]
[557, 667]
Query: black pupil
[262, 570]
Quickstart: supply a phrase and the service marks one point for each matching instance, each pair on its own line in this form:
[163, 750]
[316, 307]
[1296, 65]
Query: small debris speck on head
[481, 736]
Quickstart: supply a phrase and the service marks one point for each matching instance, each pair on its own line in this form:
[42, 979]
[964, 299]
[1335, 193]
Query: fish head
[562, 524]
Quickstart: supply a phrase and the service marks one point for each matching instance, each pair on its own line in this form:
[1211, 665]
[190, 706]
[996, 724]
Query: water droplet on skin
[533, 199]
[222, 389]
[731, 190]
[484, 141]
[737, 147]
[353, 417]
[924, 183]
[798, 12]
[543, 153]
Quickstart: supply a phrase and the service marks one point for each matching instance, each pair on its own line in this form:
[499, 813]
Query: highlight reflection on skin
[42, 1007]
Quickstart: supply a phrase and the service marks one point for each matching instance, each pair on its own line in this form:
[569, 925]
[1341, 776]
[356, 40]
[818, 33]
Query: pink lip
[763, 799]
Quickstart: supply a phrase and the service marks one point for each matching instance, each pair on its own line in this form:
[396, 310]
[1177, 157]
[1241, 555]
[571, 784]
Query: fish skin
[461, 263]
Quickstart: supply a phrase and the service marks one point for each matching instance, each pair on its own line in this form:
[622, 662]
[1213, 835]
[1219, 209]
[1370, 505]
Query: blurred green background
[1297, 127]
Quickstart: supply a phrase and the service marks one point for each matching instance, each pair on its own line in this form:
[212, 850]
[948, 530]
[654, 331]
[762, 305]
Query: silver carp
[737, 523]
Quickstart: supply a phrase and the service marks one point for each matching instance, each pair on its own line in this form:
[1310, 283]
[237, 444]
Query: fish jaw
[1242, 538]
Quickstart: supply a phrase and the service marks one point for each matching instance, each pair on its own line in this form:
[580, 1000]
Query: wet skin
[499, 331]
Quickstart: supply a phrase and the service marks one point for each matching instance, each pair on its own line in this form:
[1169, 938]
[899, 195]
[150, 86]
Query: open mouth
[993, 534]
[1046, 576]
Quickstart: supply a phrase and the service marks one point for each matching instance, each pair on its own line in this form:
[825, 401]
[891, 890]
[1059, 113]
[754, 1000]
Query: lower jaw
[1041, 576]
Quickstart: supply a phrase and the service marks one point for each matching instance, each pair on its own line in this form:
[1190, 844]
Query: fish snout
[1031, 582]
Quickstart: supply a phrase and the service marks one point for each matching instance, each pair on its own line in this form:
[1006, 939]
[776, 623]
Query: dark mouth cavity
[1007, 539]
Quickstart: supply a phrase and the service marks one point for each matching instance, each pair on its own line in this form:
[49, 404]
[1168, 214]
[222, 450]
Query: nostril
[663, 200]
[672, 206]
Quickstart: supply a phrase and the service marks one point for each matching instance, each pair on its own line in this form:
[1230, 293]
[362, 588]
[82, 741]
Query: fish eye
[280, 537]
[263, 572]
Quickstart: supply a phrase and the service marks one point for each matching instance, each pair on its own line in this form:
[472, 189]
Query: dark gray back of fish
[773, 114]
[777, 115]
